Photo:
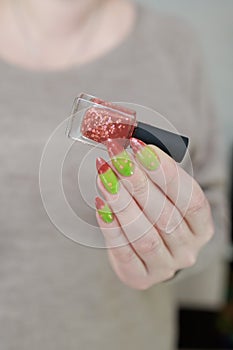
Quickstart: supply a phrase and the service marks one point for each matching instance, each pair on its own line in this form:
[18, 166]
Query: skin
[57, 34]
[54, 27]
[174, 234]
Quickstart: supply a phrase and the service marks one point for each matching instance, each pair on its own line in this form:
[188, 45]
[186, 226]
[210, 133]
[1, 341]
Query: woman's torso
[56, 294]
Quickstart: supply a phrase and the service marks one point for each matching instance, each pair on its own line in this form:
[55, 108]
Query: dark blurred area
[202, 328]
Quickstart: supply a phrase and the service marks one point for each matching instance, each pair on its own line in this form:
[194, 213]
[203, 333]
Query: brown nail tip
[99, 203]
[101, 165]
[114, 147]
[136, 144]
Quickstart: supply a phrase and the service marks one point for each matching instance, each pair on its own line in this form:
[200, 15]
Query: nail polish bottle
[94, 121]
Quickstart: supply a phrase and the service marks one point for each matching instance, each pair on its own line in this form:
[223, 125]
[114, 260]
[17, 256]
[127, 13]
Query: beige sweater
[56, 294]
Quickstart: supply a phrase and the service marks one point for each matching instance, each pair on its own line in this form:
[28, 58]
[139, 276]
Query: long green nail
[104, 211]
[107, 176]
[123, 164]
[144, 154]
[120, 158]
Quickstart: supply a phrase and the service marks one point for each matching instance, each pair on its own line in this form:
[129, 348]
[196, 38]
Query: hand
[159, 217]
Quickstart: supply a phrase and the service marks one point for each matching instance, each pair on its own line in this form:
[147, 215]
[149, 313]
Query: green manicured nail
[123, 164]
[107, 176]
[104, 211]
[144, 154]
[120, 158]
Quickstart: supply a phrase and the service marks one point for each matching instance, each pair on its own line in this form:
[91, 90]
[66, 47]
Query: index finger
[178, 185]
[165, 173]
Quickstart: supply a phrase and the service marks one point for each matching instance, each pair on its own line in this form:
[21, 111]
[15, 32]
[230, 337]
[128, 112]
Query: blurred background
[205, 301]
[213, 22]
[209, 312]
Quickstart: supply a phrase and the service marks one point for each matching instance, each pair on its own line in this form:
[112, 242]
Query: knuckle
[189, 259]
[140, 185]
[197, 203]
[148, 244]
[170, 170]
[169, 218]
[163, 218]
[162, 221]
[124, 256]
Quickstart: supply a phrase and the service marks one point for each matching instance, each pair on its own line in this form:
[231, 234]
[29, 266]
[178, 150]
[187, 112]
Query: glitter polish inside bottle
[94, 121]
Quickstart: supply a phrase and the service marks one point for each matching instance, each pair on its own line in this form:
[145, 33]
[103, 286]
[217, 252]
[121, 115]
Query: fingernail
[144, 154]
[104, 211]
[107, 176]
[120, 158]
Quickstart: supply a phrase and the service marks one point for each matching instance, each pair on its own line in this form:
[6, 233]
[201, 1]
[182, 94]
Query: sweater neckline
[81, 68]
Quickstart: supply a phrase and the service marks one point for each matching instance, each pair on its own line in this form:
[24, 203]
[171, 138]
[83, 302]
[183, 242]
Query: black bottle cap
[174, 145]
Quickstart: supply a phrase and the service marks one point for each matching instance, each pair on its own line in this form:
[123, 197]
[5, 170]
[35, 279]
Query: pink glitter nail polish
[94, 121]
[101, 124]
